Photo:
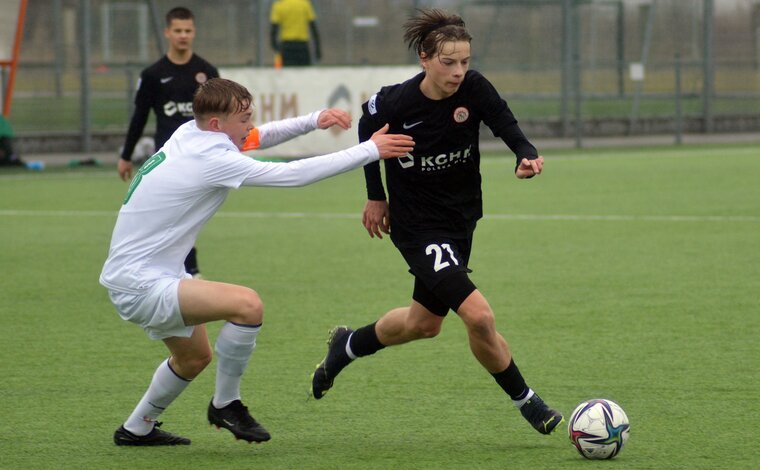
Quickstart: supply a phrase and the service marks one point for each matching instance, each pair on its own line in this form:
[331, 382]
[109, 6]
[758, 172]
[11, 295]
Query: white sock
[164, 388]
[519, 403]
[234, 347]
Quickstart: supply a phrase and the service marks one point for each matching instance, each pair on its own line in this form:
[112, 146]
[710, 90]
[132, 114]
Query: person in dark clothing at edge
[167, 87]
[435, 201]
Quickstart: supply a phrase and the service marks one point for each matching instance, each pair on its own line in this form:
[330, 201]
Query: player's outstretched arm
[392, 145]
[276, 132]
[333, 117]
[309, 170]
[530, 168]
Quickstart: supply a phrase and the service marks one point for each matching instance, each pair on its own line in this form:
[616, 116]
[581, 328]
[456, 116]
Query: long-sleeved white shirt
[179, 189]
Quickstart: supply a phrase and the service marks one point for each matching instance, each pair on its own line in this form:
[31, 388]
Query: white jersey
[181, 187]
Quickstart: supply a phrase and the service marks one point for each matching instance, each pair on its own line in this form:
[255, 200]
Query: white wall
[288, 92]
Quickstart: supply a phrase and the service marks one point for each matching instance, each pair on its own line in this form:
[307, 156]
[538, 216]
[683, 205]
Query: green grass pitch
[629, 274]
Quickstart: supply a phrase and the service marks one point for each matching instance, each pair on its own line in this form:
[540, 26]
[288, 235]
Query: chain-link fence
[567, 67]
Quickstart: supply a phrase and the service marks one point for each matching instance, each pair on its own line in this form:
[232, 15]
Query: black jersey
[436, 190]
[166, 88]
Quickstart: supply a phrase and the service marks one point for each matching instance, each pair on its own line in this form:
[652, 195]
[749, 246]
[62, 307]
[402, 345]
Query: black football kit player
[436, 190]
[166, 88]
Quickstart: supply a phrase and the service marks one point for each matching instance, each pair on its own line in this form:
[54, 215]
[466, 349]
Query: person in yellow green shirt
[293, 24]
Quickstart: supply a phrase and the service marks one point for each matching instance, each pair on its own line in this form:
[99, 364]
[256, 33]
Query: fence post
[708, 67]
[58, 46]
[645, 46]
[578, 95]
[567, 64]
[679, 114]
[621, 49]
[262, 31]
[3, 85]
[577, 76]
[155, 18]
[84, 63]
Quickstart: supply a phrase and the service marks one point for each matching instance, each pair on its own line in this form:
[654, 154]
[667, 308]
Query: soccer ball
[598, 429]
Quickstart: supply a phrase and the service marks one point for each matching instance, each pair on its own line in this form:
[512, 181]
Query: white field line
[357, 216]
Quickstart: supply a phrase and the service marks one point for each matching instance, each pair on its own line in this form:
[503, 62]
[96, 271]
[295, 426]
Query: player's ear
[214, 124]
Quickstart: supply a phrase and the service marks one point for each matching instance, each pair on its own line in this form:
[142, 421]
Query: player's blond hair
[426, 32]
[220, 96]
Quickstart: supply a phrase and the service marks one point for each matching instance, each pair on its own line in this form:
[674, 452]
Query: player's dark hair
[220, 96]
[426, 32]
[179, 13]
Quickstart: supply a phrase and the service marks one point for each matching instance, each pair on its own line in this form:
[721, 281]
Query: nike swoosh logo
[409, 126]
[166, 80]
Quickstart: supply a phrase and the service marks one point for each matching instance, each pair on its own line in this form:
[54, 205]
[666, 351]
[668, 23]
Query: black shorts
[439, 266]
[295, 53]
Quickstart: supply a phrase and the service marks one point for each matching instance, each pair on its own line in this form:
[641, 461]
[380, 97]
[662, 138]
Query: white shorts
[156, 310]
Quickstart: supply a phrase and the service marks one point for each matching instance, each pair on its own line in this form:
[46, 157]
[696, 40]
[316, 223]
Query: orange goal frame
[13, 62]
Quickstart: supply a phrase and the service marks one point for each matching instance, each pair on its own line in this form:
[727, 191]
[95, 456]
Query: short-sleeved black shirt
[437, 189]
[166, 88]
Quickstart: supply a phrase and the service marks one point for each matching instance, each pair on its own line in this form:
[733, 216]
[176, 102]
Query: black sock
[512, 381]
[364, 341]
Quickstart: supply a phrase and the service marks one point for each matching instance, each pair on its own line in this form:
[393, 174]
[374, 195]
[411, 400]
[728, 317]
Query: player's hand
[125, 169]
[529, 168]
[376, 218]
[392, 145]
[333, 117]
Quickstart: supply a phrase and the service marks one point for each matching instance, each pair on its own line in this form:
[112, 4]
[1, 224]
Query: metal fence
[567, 67]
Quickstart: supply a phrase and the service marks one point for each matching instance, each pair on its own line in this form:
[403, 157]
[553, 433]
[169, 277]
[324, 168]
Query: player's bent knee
[251, 308]
[201, 362]
[480, 322]
[423, 330]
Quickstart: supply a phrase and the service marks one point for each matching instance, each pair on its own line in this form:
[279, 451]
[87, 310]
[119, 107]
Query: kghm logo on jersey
[438, 162]
[171, 108]
[461, 114]
[406, 161]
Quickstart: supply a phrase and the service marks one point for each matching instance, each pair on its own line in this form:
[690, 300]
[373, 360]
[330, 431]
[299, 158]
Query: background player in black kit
[167, 87]
[435, 202]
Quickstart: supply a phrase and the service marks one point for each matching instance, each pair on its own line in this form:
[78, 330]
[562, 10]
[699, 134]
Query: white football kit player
[178, 190]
